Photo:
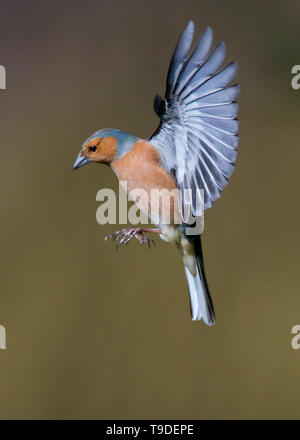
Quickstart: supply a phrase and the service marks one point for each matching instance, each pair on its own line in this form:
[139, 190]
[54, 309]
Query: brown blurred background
[95, 333]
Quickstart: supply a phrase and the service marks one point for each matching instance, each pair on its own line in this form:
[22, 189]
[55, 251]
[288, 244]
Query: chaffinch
[194, 147]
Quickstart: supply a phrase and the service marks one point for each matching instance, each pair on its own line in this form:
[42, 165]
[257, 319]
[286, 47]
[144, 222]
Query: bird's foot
[123, 236]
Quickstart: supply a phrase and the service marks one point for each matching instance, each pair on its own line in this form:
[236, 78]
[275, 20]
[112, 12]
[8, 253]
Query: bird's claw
[123, 236]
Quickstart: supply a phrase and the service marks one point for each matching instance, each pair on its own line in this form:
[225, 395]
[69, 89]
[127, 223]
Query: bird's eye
[93, 148]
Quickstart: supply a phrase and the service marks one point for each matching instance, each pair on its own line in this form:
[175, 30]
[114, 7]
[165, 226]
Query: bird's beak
[80, 161]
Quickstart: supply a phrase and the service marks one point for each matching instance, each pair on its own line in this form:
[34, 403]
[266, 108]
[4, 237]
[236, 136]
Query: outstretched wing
[197, 136]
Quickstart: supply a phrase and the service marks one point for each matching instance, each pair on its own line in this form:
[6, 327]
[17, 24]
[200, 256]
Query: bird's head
[104, 146]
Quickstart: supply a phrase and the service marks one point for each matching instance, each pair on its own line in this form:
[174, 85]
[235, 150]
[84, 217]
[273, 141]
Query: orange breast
[141, 169]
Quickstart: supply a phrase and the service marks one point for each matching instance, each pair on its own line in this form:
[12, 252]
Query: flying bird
[194, 147]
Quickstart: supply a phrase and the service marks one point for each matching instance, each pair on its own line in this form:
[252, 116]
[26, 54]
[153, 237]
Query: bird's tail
[200, 300]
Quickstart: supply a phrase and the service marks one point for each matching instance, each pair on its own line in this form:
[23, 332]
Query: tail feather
[200, 299]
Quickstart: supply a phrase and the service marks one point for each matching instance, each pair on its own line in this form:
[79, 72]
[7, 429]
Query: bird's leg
[123, 236]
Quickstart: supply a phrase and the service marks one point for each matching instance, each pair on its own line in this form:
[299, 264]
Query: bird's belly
[152, 188]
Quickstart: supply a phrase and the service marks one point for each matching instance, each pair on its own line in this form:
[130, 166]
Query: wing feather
[197, 137]
[196, 59]
[179, 55]
[226, 111]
